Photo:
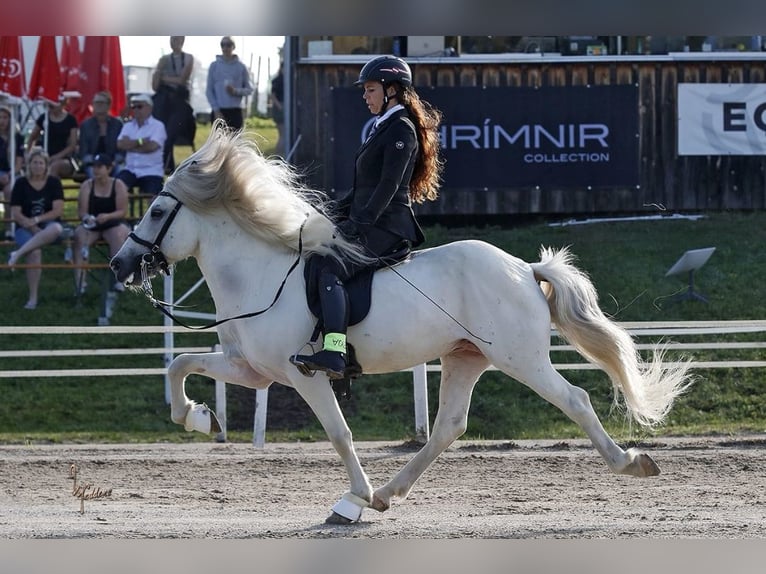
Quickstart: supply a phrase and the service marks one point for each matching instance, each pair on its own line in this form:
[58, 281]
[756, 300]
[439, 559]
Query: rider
[398, 163]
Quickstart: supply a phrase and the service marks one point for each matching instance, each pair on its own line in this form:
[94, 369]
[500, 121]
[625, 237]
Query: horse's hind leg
[460, 371]
[575, 403]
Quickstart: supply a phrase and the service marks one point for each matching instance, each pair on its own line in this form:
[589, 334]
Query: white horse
[243, 216]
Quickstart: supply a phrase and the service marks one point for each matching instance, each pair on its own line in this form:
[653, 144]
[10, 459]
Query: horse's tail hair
[649, 388]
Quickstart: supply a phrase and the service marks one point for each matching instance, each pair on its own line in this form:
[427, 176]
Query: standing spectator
[99, 133]
[102, 206]
[37, 203]
[228, 81]
[142, 139]
[6, 133]
[62, 138]
[170, 82]
[277, 109]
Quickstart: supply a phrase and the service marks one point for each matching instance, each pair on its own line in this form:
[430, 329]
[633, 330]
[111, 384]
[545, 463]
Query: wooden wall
[688, 183]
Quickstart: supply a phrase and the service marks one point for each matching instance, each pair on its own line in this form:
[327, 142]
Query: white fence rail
[420, 372]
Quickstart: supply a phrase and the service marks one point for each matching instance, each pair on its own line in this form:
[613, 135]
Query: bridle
[157, 257]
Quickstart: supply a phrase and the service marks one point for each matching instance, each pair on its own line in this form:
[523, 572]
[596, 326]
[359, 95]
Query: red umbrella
[116, 74]
[71, 64]
[71, 68]
[102, 70]
[45, 83]
[12, 77]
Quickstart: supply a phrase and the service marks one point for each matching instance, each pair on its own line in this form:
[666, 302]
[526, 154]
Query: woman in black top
[101, 206]
[62, 138]
[398, 163]
[8, 165]
[37, 203]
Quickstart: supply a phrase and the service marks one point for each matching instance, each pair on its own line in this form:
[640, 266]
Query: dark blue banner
[572, 136]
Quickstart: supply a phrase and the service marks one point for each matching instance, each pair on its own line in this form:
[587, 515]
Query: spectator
[61, 141]
[6, 132]
[142, 139]
[99, 133]
[37, 203]
[277, 109]
[171, 99]
[228, 81]
[102, 206]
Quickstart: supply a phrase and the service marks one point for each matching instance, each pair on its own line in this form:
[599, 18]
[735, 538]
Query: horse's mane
[264, 196]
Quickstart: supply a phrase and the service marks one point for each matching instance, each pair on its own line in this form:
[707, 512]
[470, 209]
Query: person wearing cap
[99, 133]
[61, 141]
[397, 164]
[102, 207]
[142, 139]
[228, 81]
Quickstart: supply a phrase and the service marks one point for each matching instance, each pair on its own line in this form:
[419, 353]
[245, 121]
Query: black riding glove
[348, 230]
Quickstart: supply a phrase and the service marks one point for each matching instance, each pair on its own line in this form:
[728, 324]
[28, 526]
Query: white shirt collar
[385, 116]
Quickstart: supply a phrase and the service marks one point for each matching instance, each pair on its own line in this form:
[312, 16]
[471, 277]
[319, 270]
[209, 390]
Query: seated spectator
[99, 133]
[102, 206]
[61, 140]
[5, 160]
[37, 203]
[142, 139]
[171, 83]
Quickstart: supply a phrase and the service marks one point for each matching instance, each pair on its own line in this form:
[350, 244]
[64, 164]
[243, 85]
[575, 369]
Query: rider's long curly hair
[426, 177]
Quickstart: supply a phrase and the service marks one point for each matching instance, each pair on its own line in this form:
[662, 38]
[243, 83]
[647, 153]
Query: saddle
[359, 290]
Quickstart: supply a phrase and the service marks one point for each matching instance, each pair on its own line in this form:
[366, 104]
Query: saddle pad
[359, 289]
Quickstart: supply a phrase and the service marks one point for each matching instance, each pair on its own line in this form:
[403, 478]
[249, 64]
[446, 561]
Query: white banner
[721, 119]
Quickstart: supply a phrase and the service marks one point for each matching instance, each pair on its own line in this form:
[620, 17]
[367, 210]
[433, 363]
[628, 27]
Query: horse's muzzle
[126, 269]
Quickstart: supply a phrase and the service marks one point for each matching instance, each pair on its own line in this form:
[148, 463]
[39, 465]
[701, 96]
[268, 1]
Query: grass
[626, 260]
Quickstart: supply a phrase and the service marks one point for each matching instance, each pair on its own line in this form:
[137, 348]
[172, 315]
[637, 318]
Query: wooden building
[665, 178]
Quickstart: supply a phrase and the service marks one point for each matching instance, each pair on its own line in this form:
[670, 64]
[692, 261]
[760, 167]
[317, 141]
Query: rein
[156, 254]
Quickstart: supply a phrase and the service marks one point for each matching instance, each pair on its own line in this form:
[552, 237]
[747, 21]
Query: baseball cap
[103, 159]
[141, 99]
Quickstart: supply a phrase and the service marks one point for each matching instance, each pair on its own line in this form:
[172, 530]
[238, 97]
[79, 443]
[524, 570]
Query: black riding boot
[332, 358]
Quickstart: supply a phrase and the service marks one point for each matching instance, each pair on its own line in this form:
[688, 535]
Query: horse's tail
[649, 389]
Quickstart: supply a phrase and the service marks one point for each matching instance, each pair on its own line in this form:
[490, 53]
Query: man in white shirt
[142, 139]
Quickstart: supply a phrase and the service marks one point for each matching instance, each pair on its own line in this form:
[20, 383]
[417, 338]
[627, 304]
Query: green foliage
[626, 260]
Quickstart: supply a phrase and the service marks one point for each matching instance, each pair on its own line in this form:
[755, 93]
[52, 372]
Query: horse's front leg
[198, 417]
[318, 394]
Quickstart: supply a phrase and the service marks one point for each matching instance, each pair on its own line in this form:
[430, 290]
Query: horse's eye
[157, 213]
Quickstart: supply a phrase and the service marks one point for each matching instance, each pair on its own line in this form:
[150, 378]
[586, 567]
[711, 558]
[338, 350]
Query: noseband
[155, 255]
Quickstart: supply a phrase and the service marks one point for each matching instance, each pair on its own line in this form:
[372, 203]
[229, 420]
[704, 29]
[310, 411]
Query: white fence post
[220, 403]
[168, 337]
[259, 421]
[420, 393]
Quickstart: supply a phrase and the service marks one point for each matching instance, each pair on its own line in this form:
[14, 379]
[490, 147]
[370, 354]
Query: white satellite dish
[688, 263]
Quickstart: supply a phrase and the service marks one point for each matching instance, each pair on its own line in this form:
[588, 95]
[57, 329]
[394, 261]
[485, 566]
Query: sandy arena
[709, 488]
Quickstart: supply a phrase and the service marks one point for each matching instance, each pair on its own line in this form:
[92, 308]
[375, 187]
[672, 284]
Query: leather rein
[157, 257]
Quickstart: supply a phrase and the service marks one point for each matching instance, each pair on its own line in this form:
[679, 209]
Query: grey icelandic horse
[243, 216]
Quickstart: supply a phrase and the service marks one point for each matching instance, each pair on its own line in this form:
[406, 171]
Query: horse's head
[164, 236]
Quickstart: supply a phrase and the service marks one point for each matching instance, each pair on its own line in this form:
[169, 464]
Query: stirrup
[307, 367]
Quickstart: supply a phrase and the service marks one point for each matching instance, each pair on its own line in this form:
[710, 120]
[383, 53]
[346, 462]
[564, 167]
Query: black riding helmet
[386, 70]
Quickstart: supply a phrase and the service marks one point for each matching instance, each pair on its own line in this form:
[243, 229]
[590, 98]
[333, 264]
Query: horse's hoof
[642, 466]
[201, 419]
[338, 520]
[378, 504]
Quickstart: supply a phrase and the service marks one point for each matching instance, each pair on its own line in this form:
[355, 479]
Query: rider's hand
[348, 229]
